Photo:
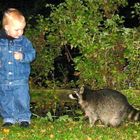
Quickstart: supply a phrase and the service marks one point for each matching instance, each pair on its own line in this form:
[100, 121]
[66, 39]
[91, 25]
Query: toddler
[16, 54]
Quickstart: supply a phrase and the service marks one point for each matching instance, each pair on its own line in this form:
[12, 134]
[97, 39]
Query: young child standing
[16, 53]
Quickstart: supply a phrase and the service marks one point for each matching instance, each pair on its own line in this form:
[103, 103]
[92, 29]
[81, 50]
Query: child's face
[15, 29]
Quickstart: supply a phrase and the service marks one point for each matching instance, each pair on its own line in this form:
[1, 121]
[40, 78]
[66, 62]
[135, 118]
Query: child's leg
[7, 109]
[22, 103]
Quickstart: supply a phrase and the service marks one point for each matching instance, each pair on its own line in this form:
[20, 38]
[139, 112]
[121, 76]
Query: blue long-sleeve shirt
[11, 69]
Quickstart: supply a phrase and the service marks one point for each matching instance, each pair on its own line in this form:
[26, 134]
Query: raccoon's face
[77, 95]
[81, 97]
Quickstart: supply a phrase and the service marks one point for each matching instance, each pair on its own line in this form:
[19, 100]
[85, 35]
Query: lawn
[65, 128]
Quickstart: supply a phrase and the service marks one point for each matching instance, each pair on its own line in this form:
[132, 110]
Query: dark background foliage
[63, 70]
[34, 7]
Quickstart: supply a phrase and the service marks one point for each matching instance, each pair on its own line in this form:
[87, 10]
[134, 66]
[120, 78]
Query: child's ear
[6, 28]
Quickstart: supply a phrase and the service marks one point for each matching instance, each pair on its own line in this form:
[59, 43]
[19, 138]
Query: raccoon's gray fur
[109, 106]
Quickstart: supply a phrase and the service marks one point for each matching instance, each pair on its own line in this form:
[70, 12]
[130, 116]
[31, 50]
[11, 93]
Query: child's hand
[18, 55]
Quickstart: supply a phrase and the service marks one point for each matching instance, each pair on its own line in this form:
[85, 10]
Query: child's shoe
[7, 124]
[24, 124]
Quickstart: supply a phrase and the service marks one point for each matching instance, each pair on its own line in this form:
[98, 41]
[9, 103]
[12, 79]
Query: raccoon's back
[113, 104]
[107, 98]
[108, 103]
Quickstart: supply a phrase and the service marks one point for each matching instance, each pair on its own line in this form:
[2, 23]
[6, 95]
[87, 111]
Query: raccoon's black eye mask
[73, 96]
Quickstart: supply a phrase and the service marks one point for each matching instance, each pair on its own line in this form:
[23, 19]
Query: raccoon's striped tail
[133, 114]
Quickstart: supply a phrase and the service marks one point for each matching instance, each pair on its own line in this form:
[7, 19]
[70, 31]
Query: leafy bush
[43, 65]
[110, 52]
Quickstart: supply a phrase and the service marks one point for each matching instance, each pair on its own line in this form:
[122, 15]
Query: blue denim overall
[14, 77]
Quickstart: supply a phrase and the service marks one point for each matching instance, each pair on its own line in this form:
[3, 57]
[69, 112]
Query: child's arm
[27, 55]
[18, 55]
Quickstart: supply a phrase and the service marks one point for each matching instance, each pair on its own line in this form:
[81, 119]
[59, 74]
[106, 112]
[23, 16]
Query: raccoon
[107, 105]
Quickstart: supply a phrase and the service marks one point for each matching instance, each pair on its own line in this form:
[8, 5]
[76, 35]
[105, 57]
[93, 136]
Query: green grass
[66, 129]
[42, 129]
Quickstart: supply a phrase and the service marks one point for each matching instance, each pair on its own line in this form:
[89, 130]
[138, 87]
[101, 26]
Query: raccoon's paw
[92, 121]
[98, 124]
[115, 122]
[102, 125]
[91, 125]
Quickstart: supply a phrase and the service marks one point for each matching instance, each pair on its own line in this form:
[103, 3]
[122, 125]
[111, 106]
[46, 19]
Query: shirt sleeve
[29, 52]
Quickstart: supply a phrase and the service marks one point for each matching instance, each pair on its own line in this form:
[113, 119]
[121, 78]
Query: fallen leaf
[6, 131]
[88, 138]
[51, 136]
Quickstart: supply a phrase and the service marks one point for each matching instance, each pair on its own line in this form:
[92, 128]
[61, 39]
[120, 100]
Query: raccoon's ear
[81, 91]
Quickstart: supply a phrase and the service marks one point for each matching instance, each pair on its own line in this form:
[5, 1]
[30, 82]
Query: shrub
[109, 51]
[43, 65]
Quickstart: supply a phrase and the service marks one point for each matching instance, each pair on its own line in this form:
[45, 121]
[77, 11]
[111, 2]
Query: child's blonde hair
[12, 15]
